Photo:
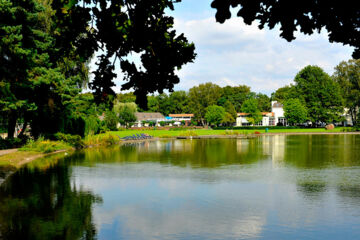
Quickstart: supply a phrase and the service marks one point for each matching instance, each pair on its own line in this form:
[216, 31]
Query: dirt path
[7, 151]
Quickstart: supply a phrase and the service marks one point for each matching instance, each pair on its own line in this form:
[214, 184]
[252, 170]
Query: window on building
[271, 121]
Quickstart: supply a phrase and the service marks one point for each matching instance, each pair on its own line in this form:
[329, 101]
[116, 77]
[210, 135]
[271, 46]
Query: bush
[111, 120]
[101, 139]
[44, 146]
[92, 125]
[12, 142]
[73, 140]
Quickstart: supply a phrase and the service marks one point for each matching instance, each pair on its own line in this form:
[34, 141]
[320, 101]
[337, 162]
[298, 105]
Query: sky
[234, 53]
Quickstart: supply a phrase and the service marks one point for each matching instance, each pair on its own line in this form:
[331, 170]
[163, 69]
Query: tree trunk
[353, 115]
[11, 124]
[23, 128]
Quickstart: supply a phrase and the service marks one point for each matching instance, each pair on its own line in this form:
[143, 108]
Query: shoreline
[27, 157]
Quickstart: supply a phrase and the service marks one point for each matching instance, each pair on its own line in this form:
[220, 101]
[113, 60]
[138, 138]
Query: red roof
[182, 115]
[270, 114]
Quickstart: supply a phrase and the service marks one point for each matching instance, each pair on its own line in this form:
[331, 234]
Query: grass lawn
[200, 132]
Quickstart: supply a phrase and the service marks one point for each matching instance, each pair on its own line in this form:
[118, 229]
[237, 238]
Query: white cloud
[234, 53]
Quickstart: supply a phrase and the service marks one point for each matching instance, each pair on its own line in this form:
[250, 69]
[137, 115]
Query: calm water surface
[271, 187]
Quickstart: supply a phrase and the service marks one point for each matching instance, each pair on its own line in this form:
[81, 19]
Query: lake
[270, 187]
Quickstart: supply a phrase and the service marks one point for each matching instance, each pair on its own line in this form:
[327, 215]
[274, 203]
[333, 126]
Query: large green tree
[347, 74]
[215, 114]
[179, 102]
[39, 84]
[202, 96]
[236, 95]
[229, 108]
[284, 93]
[294, 111]
[119, 28]
[264, 103]
[23, 58]
[321, 94]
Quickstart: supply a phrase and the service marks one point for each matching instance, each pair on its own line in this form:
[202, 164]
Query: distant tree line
[315, 96]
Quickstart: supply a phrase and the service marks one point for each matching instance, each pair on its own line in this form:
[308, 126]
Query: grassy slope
[161, 133]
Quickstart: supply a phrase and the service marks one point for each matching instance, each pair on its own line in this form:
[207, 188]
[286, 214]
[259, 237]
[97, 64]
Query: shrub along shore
[65, 142]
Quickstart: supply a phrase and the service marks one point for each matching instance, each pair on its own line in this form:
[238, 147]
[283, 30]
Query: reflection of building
[278, 149]
[273, 118]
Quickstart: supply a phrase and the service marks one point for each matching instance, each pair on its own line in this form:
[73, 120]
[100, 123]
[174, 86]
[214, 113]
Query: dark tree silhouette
[340, 18]
[118, 29]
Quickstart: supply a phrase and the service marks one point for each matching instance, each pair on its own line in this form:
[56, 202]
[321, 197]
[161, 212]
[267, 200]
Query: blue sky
[234, 53]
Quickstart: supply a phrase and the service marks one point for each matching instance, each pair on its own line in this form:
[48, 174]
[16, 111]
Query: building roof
[269, 114]
[182, 115]
[144, 116]
[277, 105]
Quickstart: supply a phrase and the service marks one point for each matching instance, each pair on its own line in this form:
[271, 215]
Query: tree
[22, 54]
[127, 116]
[38, 81]
[321, 94]
[294, 111]
[340, 19]
[111, 120]
[250, 107]
[264, 103]
[347, 75]
[228, 119]
[126, 97]
[202, 96]
[229, 108]
[179, 102]
[284, 93]
[214, 115]
[119, 29]
[160, 103]
[236, 95]
[120, 106]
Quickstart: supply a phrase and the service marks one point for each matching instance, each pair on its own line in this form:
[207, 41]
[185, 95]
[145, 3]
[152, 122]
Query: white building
[273, 118]
[267, 119]
[182, 117]
[278, 110]
[155, 117]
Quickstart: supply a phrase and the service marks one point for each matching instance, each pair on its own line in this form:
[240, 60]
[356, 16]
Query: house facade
[273, 118]
[182, 117]
[148, 116]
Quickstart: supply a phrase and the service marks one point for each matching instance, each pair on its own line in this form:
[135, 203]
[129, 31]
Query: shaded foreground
[271, 187]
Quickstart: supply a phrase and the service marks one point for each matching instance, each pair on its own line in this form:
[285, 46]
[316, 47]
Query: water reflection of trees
[319, 151]
[207, 153]
[38, 204]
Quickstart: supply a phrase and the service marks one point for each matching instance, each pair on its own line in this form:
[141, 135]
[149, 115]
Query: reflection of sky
[148, 200]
